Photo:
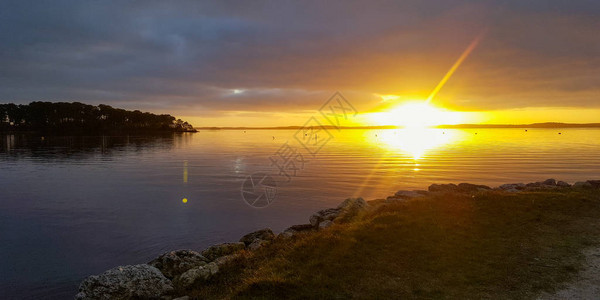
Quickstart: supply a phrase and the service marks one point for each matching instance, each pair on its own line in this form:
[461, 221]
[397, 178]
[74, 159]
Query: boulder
[534, 184]
[224, 259]
[582, 185]
[257, 244]
[293, 230]
[470, 188]
[350, 208]
[404, 195]
[325, 224]
[216, 251]
[263, 234]
[191, 276]
[323, 215]
[562, 184]
[409, 194]
[315, 219]
[545, 185]
[126, 282]
[391, 199]
[301, 227]
[594, 183]
[509, 186]
[174, 263]
[451, 187]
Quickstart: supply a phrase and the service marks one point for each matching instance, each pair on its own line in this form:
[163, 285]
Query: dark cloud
[190, 56]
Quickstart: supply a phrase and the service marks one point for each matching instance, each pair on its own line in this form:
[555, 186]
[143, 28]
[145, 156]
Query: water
[76, 206]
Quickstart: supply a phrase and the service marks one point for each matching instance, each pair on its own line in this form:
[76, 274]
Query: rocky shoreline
[171, 274]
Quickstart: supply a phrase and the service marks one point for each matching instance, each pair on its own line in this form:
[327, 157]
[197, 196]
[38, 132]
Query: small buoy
[475, 132]
[525, 130]
[184, 200]
[273, 137]
[559, 133]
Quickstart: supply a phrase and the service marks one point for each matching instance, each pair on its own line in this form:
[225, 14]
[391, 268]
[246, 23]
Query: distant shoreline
[112, 132]
[458, 126]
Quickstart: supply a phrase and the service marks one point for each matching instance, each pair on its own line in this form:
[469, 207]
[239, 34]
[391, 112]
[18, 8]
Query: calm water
[75, 206]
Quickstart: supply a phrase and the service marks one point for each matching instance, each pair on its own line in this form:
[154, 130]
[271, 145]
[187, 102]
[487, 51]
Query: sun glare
[414, 142]
[417, 114]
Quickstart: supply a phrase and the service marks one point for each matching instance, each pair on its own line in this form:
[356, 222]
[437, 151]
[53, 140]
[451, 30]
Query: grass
[492, 245]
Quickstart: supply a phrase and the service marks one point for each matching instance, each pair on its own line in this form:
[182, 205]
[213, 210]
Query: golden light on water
[415, 142]
[185, 171]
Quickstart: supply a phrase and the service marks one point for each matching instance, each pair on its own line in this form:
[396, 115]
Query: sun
[417, 114]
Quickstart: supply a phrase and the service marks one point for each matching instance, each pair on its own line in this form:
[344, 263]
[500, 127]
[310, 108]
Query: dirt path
[587, 286]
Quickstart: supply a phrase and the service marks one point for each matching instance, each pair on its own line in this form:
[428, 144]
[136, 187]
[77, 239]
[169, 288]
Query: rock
[408, 194]
[293, 230]
[301, 227]
[550, 181]
[224, 259]
[257, 244]
[534, 184]
[451, 187]
[200, 273]
[263, 234]
[126, 282]
[287, 234]
[403, 195]
[469, 187]
[520, 186]
[322, 215]
[315, 219]
[547, 186]
[215, 251]
[594, 183]
[395, 199]
[350, 208]
[325, 224]
[508, 186]
[582, 185]
[174, 263]
[562, 184]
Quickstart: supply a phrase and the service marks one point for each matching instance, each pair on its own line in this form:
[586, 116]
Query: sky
[274, 63]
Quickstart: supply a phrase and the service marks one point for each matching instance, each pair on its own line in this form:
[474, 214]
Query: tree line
[80, 117]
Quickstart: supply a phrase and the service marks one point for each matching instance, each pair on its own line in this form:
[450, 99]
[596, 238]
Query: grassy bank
[448, 245]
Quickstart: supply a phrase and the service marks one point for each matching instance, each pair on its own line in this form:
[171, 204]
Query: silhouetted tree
[76, 116]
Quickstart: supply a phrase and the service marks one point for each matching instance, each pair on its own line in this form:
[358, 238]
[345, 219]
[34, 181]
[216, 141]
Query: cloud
[188, 56]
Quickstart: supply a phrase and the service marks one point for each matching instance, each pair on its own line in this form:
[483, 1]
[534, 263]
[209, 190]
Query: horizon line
[456, 126]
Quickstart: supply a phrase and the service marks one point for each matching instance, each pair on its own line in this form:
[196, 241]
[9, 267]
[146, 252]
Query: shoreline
[177, 272]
